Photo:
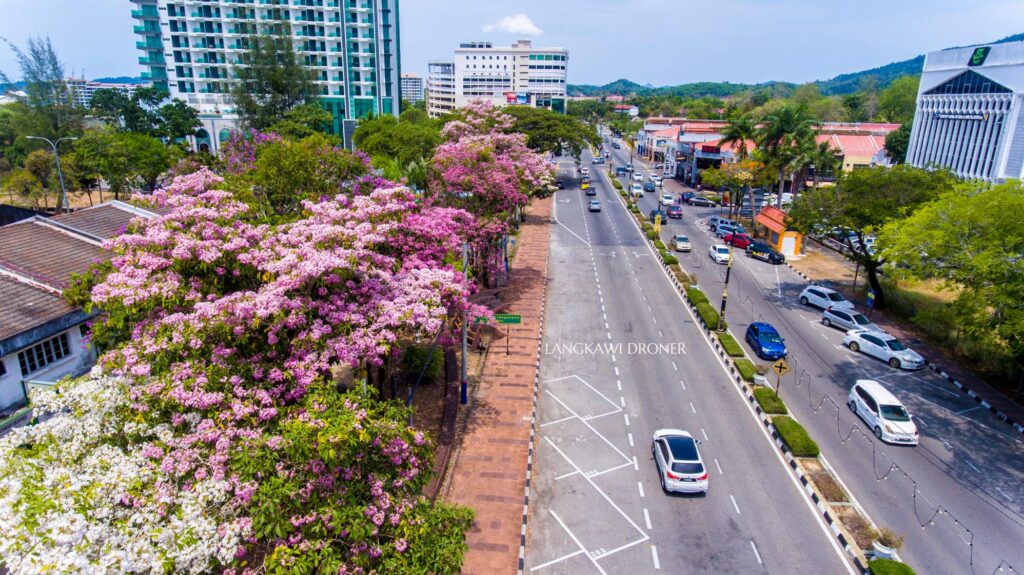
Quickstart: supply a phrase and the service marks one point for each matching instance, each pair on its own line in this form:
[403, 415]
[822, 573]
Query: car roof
[720, 246]
[683, 447]
[684, 236]
[765, 326]
[878, 391]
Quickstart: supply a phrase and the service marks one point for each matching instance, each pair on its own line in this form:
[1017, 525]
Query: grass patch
[683, 277]
[709, 315]
[696, 296]
[732, 347]
[746, 369]
[771, 403]
[889, 567]
[795, 437]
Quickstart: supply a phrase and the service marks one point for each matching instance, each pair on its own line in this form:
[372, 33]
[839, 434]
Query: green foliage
[548, 131]
[303, 121]
[897, 142]
[270, 81]
[125, 160]
[617, 184]
[729, 343]
[659, 245]
[651, 234]
[669, 259]
[415, 357]
[696, 296]
[746, 368]
[898, 102]
[633, 208]
[709, 315]
[770, 402]
[23, 188]
[49, 99]
[889, 567]
[407, 142]
[795, 437]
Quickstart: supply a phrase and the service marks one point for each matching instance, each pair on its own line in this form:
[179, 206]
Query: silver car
[847, 319]
[680, 467]
[884, 347]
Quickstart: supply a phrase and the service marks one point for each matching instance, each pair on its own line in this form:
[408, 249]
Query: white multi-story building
[190, 47]
[440, 88]
[509, 75]
[412, 88]
[82, 90]
[969, 112]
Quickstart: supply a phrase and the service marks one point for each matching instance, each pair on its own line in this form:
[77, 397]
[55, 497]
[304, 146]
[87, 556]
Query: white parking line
[682, 384]
[577, 542]
[654, 555]
[674, 366]
[1003, 493]
[719, 467]
[754, 547]
[557, 560]
[636, 466]
[692, 408]
[640, 486]
[737, 507]
[630, 436]
[616, 370]
[618, 384]
[943, 440]
[963, 411]
[626, 415]
[704, 433]
[647, 519]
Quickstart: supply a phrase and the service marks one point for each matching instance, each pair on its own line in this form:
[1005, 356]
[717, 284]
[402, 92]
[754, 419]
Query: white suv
[824, 298]
[680, 467]
[636, 190]
[883, 413]
[719, 253]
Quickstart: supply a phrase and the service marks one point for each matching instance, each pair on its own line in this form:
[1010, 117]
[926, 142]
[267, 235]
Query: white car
[846, 319]
[654, 178]
[883, 413]
[884, 347]
[824, 298]
[719, 253]
[680, 467]
[681, 243]
[667, 199]
[585, 171]
[595, 206]
[636, 190]
[638, 177]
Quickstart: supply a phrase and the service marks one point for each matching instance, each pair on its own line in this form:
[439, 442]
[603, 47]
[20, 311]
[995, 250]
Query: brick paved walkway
[489, 472]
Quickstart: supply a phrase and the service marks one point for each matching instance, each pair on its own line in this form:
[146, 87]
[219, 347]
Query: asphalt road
[969, 463]
[596, 504]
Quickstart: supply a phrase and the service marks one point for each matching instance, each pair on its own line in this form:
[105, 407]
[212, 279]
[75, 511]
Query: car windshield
[835, 296]
[682, 239]
[770, 337]
[895, 413]
[895, 345]
[722, 250]
[860, 319]
[688, 467]
[682, 448]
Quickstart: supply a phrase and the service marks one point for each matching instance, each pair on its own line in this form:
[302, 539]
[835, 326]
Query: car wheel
[803, 300]
[894, 362]
[852, 405]
[662, 479]
[826, 322]
[878, 432]
[854, 346]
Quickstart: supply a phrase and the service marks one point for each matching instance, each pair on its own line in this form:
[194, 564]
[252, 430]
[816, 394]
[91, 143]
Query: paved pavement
[623, 357]
[489, 472]
[969, 463]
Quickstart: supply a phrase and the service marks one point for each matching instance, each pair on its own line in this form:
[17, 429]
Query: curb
[938, 369]
[798, 272]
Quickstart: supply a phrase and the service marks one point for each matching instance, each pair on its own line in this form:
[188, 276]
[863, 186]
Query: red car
[737, 240]
[675, 211]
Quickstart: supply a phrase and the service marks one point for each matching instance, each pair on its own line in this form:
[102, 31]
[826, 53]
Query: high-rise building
[440, 88]
[190, 47]
[970, 112]
[412, 88]
[82, 90]
[507, 75]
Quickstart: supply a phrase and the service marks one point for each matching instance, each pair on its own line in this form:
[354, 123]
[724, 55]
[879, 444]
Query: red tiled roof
[772, 218]
[672, 132]
[34, 306]
[46, 254]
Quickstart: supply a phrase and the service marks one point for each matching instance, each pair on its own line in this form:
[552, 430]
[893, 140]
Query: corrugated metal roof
[46, 254]
[105, 221]
[32, 307]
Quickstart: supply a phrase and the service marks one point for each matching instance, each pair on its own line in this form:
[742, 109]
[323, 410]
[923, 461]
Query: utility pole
[725, 288]
[60, 175]
[464, 386]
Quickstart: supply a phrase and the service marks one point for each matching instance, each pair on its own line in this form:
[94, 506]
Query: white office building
[82, 90]
[969, 112]
[412, 88]
[190, 47]
[440, 88]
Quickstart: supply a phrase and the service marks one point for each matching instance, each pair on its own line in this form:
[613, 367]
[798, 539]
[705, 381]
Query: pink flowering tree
[229, 325]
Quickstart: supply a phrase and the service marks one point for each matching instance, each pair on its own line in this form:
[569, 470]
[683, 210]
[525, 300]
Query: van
[884, 414]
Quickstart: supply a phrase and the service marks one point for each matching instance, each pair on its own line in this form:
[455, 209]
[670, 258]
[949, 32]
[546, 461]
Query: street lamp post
[60, 174]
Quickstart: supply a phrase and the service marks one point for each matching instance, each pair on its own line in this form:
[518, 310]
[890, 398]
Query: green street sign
[508, 318]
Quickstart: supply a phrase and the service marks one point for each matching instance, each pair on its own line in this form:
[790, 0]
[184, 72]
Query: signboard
[508, 318]
[510, 97]
[522, 98]
[979, 55]
[711, 149]
[780, 367]
[953, 116]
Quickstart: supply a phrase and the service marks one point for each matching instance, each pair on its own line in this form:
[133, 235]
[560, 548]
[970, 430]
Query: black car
[591, 191]
[560, 184]
[616, 145]
[649, 187]
[656, 213]
[700, 201]
[763, 251]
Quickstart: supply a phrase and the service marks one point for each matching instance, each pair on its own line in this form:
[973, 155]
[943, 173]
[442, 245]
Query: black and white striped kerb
[938, 369]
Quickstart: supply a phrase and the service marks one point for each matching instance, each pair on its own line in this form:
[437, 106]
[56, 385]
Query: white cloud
[515, 24]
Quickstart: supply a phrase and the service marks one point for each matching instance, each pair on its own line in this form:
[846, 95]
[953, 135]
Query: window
[873, 340]
[43, 354]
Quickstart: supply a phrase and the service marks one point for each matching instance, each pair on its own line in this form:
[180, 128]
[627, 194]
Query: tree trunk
[871, 267]
[782, 186]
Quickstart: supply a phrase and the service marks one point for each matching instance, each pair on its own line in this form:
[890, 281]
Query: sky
[659, 42]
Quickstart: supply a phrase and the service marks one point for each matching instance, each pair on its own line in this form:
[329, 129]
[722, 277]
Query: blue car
[766, 341]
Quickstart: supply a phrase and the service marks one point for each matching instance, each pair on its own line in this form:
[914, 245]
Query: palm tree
[740, 129]
[778, 135]
[825, 160]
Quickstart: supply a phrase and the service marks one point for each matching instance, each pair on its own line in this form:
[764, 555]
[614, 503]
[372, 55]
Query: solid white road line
[654, 555]
[719, 467]
[737, 507]
[577, 542]
[963, 411]
[756, 554]
[647, 519]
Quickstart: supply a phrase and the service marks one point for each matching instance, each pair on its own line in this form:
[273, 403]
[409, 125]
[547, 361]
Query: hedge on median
[795, 437]
[668, 258]
[732, 347]
[617, 184]
[709, 315]
[660, 245]
[696, 296]
[889, 567]
[746, 369]
[652, 234]
[769, 401]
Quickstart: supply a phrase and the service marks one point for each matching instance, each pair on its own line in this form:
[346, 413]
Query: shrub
[683, 277]
[795, 437]
[708, 314]
[696, 296]
[617, 184]
[889, 567]
[669, 258]
[623, 193]
[634, 209]
[732, 347]
[414, 359]
[647, 226]
[660, 245]
[769, 402]
[746, 369]
[652, 234]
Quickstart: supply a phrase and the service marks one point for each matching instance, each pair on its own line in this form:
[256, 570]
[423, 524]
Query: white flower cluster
[77, 497]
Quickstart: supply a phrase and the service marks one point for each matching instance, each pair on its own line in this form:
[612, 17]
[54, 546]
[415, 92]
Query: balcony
[149, 45]
[145, 14]
[147, 61]
[146, 30]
